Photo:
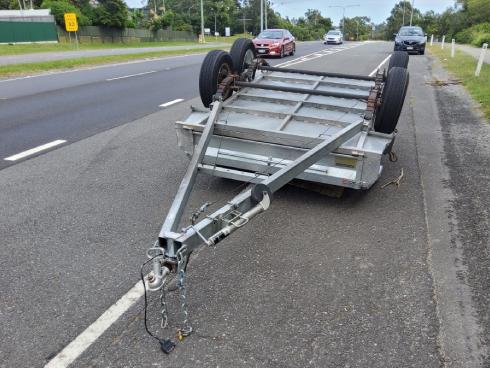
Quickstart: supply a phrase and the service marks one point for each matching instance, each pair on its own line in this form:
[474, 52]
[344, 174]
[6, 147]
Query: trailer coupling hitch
[157, 277]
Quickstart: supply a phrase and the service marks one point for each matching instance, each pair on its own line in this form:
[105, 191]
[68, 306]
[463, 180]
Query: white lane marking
[169, 103]
[379, 66]
[75, 348]
[131, 75]
[145, 60]
[316, 55]
[34, 150]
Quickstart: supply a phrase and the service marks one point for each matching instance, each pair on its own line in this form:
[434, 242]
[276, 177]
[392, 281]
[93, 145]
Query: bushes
[476, 35]
[60, 7]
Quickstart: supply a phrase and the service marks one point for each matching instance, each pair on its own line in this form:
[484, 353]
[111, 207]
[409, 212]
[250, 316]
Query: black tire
[398, 59]
[394, 92]
[282, 52]
[422, 52]
[293, 50]
[215, 67]
[242, 53]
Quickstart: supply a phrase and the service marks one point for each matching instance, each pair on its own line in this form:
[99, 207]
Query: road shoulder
[460, 333]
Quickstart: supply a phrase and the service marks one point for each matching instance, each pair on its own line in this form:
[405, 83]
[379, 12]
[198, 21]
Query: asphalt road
[61, 55]
[384, 278]
[77, 104]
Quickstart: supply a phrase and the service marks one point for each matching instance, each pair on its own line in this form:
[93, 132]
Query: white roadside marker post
[453, 46]
[480, 61]
[442, 43]
[432, 40]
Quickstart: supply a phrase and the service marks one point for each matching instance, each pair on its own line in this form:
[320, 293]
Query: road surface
[384, 278]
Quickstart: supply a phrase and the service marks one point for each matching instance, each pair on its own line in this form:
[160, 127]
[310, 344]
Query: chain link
[163, 311]
[186, 328]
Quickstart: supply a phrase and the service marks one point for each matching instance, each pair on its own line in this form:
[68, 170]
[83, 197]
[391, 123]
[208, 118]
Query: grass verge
[22, 69]
[462, 67]
[31, 48]
[19, 49]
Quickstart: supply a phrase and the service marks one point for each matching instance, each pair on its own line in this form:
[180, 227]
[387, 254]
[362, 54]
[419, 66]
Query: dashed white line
[145, 60]
[75, 348]
[379, 66]
[316, 55]
[131, 75]
[34, 150]
[173, 102]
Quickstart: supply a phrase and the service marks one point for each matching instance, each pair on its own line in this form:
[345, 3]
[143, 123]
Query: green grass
[227, 39]
[463, 66]
[22, 69]
[18, 49]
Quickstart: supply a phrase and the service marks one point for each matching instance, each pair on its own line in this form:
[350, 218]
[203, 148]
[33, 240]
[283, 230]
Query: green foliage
[400, 15]
[111, 13]
[60, 7]
[357, 28]
[476, 35]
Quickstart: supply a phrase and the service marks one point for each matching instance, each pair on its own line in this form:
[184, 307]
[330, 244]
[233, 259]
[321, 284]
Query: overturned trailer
[266, 126]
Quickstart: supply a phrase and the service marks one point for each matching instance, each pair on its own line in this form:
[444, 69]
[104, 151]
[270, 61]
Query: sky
[377, 10]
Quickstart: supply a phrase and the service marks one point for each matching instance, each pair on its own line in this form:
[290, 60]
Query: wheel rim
[248, 59]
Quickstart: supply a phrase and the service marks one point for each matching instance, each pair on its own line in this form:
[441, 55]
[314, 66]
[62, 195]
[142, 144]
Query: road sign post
[71, 25]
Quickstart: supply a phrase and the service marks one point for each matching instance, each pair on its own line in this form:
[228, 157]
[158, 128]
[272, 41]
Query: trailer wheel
[216, 66]
[398, 59]
[242, 54]
[394, 92]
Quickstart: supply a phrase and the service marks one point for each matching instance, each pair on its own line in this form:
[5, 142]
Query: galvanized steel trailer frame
[317, 120]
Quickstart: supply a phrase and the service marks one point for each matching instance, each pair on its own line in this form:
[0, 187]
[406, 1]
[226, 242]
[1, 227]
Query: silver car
[333, 37]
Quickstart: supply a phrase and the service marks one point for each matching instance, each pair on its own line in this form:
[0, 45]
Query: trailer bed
[259, 131]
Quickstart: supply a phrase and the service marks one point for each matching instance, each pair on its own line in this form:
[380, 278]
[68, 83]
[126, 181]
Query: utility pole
[403, 19]
[411, 15]
[244, 20]
[343, 13]
[265, 13]
[202, 22]
[261, 15]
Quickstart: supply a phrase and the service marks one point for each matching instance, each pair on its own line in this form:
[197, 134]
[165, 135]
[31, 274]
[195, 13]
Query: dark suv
[410, 39]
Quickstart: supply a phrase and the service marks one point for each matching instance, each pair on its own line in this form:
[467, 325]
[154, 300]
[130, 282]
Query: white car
[333, 37]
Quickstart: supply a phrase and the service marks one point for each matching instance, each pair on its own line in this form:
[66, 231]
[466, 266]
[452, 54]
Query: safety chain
[186, 328]
[163, 312]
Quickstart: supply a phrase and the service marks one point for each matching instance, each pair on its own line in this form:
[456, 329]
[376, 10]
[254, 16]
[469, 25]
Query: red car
[275, 42]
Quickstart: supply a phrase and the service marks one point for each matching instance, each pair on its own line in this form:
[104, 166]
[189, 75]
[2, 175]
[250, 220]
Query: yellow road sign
[71, 23]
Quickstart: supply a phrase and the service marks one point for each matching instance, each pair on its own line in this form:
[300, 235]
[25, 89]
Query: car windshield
[276, 35]
[333, 33]
[411, 32]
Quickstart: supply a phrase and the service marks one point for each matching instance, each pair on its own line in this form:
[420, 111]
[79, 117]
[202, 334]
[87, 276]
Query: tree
[400, 15]
[357, 28]
[60, 7]
[111, 13]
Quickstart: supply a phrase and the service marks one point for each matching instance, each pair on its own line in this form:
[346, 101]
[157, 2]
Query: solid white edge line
[131, 75]
[167, 104]
[75, 348]
[379, 66]
[34, 150]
